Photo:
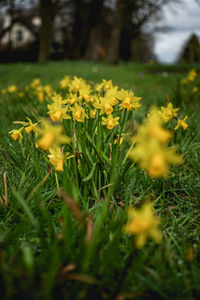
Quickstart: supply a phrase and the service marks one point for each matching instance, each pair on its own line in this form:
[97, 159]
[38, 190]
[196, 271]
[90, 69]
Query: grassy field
[72, 244]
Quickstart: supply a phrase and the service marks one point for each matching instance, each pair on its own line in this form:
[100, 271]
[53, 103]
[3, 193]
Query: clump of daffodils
[191, 77]
[170, 113]
[190, 86]
[35, 89]
[50, 138]
[103, 110]
[16, 134]
[143, 224]
[150, 147]
[80, 101]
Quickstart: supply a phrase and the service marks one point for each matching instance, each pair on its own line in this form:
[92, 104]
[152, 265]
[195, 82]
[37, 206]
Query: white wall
[27, 36]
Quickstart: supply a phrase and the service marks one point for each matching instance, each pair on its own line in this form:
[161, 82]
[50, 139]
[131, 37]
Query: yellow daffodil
[157, 167]
[87, 98]
[76, 84]
[21, 95]
[65, 82]
[40, 96]
[195, 89]
[129, 101]
[12, 89]
[16, 134]
[161, 134]
[72, 99]
[51, 136]
[58, 111]
[160, 161]
[78, 113]
[29, 126]
[85, 93]
[105, 104]
[150, 150]
[48, 90]
[56, 158]
[35, 83]
[143, 224]
[3, 91]
[93, 113]
[107, 84]
[192, 75]
[110, 122]
[154, 157]
[168, 112]
[184, 81]
[182, 123]
[153, 128]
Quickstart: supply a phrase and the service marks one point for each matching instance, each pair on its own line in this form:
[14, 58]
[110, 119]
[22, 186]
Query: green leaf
[91, 173]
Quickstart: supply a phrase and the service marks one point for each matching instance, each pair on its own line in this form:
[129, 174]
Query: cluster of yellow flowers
[35, 88]
[81, 100]
[191, 84]
[11, 89]
[191, 77]
[51, 138]
[170, 113]
[77, 101]
[149, 146]
[41, 92]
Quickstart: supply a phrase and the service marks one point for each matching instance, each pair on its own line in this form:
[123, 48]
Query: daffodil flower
[51, 136]
[149, 148]
[168, 112]
[110, 122]
[182, 123]
[78, 113]
[16, 134]
[143, 224]
[129, 100]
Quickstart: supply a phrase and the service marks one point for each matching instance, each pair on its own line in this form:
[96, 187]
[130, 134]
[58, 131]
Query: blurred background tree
[79, 29]
[191, 50]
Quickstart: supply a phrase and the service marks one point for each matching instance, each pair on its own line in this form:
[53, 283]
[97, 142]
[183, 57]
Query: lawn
[62, 234]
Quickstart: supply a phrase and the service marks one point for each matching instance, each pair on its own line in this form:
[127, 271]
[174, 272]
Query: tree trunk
[94, 30]
[46, 29]
[113, 50]
[93, 44]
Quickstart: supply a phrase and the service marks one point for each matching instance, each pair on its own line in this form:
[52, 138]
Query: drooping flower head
[181, 123]
[16, 134]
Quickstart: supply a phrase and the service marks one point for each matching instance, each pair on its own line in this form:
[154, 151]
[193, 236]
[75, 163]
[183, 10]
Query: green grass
[154, 80]
[44, 253]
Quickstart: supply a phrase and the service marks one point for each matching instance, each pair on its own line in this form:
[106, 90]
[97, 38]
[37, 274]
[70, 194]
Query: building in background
[19, 35]
[19, 29]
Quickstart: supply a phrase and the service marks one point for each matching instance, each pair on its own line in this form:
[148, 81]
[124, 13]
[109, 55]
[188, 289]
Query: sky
[183, 19]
